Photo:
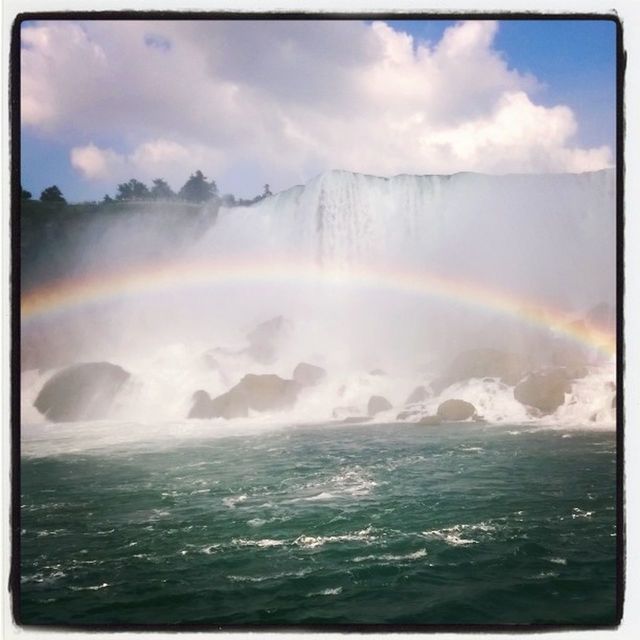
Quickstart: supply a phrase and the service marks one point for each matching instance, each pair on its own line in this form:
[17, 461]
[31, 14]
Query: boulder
[543, 391]
[429, 420]
[377, 404]
[266, 338]
[308, 375]
[201, 405]
[482, 363]
[266, 392]
[81, 392]
[229, 405]
[455, 410]
[419, 394]
[405, 415]
[572, 356]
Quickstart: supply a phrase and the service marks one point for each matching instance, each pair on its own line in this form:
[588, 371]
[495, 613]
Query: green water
[368, 524]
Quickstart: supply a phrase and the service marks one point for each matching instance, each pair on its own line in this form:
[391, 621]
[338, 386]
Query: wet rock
[308, 375]
[229, 405]
[81, 392]
[377, 404]
[419, 394]
[454, 410]
[357, 419]
[571, 356]
[405, 415]
[266, 392]
[430, 420]
[201, 405]
[543, 391]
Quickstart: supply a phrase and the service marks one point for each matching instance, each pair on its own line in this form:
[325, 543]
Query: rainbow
[73, 293]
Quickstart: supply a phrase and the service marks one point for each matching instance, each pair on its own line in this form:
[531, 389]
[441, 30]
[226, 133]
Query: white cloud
[94, 163]
[154, 159]
[288, 99]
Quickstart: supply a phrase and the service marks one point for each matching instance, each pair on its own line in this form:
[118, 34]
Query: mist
[318, 274]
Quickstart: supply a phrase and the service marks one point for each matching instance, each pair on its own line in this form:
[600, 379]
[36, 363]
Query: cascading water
[382, 282]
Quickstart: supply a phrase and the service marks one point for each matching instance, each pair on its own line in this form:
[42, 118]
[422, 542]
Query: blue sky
[575, 59]
[250, 103]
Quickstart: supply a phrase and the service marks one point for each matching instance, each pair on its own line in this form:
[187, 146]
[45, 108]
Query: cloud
[150, 160]
[288, 99]
[94, 163]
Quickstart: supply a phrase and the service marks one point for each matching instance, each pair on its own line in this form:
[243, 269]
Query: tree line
[197, 190]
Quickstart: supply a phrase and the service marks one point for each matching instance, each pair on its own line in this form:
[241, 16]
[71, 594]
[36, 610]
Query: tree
[107, 199]
[24, 194]
[161, 190]
[197, 189]
[267, 191]
[132, 190]
[52, 194]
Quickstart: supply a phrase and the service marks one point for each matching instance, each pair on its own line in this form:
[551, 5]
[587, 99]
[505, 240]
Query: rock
[571, 356]
[404, 415]
[357, 419]
[202, 405]
[429, 420]
[266, 392]
[229, 405]
[266, 338]
[544, 390]
[377, 372]
[419, 394]
[308, 375]
[455, 410]
[577, 372]
[377, 404]
[483, 363]
[81, 392]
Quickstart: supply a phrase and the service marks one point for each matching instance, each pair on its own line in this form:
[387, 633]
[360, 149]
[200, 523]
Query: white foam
[232, 501]
[312, 542]
[389, 557]
[454, 535]
[326, 592]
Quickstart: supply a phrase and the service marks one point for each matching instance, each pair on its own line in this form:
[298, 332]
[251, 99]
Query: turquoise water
[361, 524]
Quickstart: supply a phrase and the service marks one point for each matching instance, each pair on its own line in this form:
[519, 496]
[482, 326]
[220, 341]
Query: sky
[277, 102]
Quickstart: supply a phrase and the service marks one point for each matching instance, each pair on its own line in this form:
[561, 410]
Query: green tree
[197, 189]
[161, 190]
[132, 190]
[52, 194]
[24, 194]
[107, 199]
